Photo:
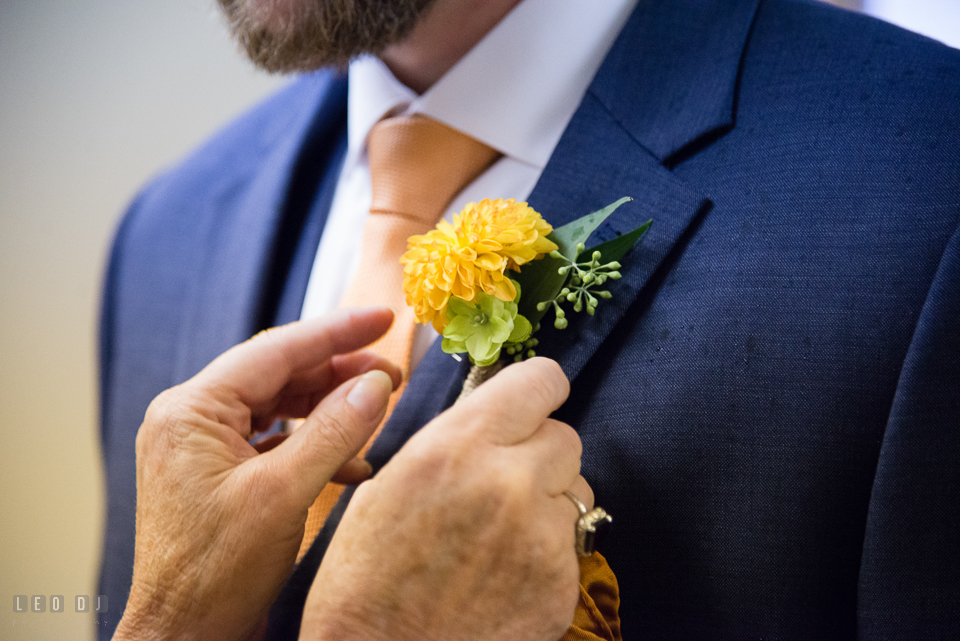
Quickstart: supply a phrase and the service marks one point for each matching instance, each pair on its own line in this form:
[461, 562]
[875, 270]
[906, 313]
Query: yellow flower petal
[472, 253]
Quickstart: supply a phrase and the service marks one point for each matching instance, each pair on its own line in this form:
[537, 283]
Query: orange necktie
[417, 166]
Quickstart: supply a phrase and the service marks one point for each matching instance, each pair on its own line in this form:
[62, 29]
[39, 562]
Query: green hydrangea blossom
[481, 327]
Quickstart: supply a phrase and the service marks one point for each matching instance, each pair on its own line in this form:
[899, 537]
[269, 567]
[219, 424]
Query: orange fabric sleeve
[597, 616]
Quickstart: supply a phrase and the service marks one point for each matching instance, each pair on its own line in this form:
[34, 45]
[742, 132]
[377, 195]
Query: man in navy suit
[769, 405]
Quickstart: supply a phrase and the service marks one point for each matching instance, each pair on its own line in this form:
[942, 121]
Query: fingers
[347, 366]
[512, 405]
[566, 514]
[554, 451]
[582, 490]
[270, 442]
[353, 472]
[566, 509]
[302, 394]
[256, 371]
[331, 435]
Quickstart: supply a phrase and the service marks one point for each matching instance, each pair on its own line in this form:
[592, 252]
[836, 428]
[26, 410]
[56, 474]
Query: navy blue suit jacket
[769, 405]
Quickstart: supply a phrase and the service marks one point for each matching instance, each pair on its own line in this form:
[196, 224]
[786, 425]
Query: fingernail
[371, 392]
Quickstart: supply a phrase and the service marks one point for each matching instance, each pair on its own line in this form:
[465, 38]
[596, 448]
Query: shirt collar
[516, 90]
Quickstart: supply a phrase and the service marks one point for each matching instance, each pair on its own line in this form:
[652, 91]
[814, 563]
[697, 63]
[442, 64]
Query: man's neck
[448, 30]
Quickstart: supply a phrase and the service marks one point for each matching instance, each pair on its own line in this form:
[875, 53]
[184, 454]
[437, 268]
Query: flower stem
[479, 374]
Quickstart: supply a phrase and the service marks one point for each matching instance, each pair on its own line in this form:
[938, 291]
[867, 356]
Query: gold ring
[592, 525]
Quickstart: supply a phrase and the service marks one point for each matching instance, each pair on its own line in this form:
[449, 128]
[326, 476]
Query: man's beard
[304, 35]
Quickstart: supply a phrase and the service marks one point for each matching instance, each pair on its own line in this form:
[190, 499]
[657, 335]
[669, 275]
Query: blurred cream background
[95, 97]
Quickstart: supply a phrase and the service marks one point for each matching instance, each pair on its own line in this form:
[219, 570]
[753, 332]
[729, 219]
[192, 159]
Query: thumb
[332, 434]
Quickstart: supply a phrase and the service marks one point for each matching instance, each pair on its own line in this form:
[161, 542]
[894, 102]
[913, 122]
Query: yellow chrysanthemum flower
[485, 239]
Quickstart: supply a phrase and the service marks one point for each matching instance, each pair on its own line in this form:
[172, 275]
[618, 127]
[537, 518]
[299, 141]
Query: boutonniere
[488, 280]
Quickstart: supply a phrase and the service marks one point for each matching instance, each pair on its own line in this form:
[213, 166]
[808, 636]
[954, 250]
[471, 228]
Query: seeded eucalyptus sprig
[580, 288]
[573, 273]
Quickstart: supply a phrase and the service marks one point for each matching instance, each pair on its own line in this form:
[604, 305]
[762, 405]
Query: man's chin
[285, 36]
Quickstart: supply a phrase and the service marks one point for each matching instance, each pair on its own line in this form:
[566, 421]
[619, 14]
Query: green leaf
[540, 282]
[616, 248]
[579, 230]
[539, 278]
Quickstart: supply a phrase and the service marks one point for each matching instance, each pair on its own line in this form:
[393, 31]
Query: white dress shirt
[516, 91]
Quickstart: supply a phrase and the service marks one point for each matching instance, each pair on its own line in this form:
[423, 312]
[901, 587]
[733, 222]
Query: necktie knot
[417, 166]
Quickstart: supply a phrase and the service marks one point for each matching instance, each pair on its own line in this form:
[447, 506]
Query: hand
[465, 534]
[219, 525]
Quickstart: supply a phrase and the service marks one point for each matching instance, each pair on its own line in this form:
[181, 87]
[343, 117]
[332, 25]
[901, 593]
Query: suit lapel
[625, 169]
[242, 250]
[670, 79]
[666, 90]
